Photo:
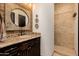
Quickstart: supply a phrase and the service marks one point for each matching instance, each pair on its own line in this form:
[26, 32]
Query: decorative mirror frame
[21, 10]
[9, 24]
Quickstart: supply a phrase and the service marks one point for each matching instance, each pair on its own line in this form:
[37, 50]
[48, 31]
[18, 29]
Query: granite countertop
[18, 39]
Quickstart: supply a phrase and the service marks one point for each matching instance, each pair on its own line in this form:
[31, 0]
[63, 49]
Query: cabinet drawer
[12, 49]
[8, 48]
[8, 51]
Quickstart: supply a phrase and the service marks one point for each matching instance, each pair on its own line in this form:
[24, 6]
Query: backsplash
[17, 33]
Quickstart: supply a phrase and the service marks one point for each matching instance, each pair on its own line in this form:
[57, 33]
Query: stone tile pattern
[64, 25]
[63, 51]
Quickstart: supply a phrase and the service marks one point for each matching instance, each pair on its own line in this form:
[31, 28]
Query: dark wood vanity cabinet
[34, 48]
[26, 48]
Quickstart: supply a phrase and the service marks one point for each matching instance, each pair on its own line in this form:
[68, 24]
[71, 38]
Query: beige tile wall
[64, 25]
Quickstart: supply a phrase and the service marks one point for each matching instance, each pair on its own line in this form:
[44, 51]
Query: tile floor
[63, 51]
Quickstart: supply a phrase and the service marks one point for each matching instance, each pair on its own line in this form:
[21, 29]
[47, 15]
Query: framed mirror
[19, 17]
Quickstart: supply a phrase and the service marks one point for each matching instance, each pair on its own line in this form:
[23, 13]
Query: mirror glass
[19, 17]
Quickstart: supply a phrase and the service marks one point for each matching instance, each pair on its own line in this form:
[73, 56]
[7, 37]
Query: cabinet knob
[29, 48]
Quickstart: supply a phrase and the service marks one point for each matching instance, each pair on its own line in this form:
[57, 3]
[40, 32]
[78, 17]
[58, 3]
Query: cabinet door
[34, 47]
[23, 49]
